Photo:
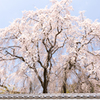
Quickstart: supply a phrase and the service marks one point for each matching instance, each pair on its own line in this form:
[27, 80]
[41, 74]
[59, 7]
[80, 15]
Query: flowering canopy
[45, 40]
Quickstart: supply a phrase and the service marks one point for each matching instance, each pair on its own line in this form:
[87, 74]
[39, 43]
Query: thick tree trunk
[45, 81]
[30, 88]
[64, 81]
[64, 88]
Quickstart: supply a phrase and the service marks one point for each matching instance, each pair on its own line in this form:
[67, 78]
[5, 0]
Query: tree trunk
[64, 88]
[30, 88]
[64, 82]
[45, 81]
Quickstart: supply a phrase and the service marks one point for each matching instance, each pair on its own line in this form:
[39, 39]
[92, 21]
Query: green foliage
[67, 91]
[8, 89]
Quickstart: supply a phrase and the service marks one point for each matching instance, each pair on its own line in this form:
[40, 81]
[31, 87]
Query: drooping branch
[92, 53]
[32, 67]
[53, 51]
[86, 43]
[21, 58]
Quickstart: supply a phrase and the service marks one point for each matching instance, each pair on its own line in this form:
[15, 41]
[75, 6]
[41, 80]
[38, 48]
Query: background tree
[80, 59]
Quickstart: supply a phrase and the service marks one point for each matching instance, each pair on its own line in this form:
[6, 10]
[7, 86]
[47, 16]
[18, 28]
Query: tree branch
[85, 43]
[45, 44]
[59, 47]
[57, 35]
[21, 58]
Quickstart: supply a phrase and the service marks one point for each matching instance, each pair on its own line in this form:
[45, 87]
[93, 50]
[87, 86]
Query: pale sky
[12, 9]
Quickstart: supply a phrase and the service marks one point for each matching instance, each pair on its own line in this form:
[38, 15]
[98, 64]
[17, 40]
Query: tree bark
[30, 88]
[45, 81]
[64, 81]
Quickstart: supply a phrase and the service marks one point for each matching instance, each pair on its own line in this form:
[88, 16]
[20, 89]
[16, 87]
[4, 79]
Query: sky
[12, 9]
